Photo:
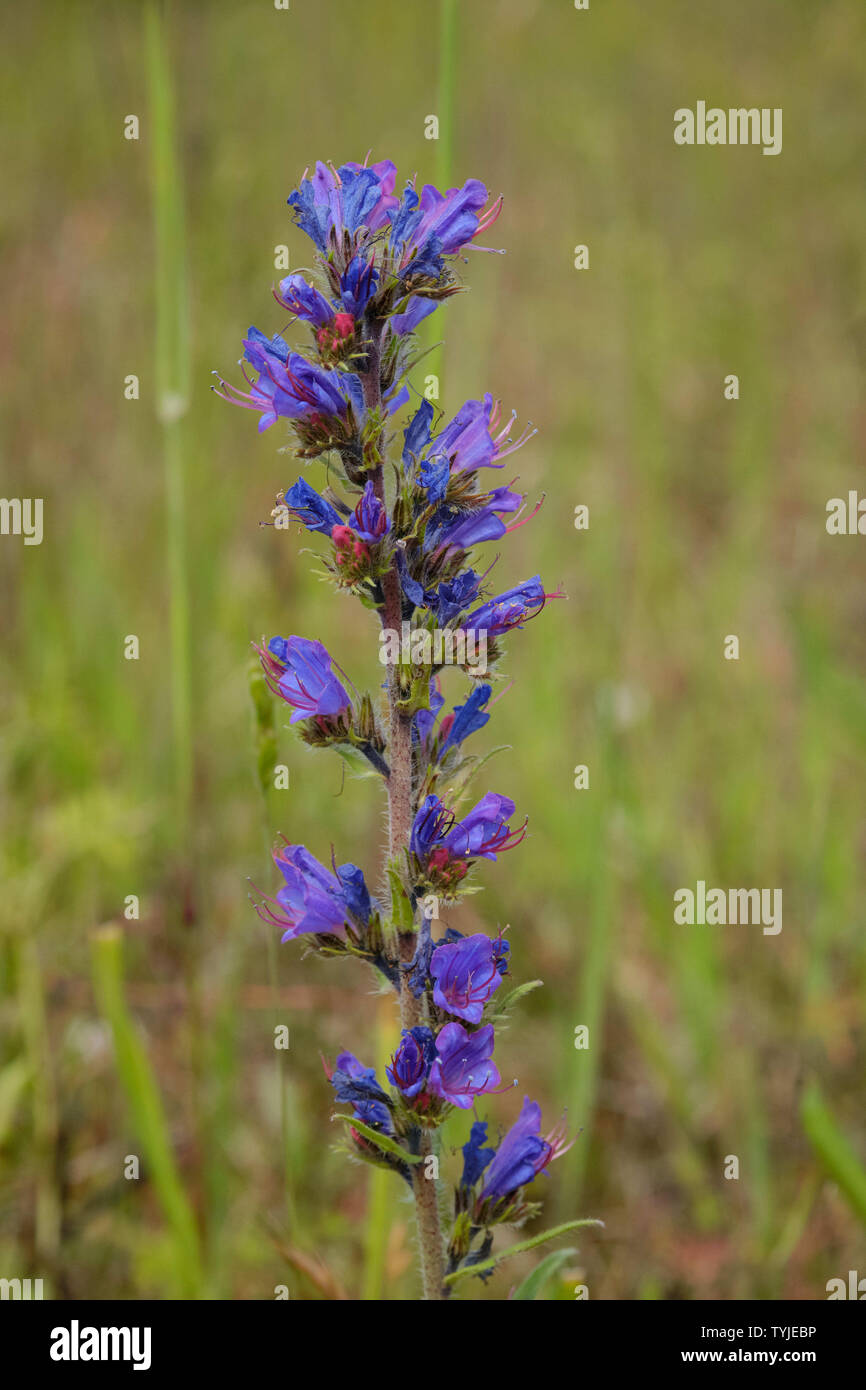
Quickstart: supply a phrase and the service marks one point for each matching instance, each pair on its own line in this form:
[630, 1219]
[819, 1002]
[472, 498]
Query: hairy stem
[399, 832]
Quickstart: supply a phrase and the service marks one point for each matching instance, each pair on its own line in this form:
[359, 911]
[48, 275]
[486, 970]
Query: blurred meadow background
[154, 1037]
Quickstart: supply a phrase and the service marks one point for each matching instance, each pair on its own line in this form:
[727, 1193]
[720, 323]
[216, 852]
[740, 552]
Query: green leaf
[511, 999]
[519, 1249]
[834, 1150]
[355, 760]
[139, 1082]
[382, 1141]
[13, 1080]
[534, 1284]
[401, 906]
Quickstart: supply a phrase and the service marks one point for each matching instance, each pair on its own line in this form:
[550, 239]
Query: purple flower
[425, 228]
[355, 892]
[522, 1155]
[466, 529]
[303, 299]
[475, 1156]
[299, 671]
[358, 285]
[462, 1068]
[467, 974]
[410, 1064]
[418, 309]
[344, 199]
[356, 1085]
[510, 609]
[288, 385]
[370, 517]
[312, 900]
[416, 436]
[432, 822]
[434, 475]
[309, 507]
[469, 442]
[457, 594]
[483, 833]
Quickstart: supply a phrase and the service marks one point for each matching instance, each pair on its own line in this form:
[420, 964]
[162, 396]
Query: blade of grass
[148, 1115]
[172, 376]
[834, 1150]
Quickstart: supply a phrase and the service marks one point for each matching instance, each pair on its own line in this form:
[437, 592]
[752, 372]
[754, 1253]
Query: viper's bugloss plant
[400, 517]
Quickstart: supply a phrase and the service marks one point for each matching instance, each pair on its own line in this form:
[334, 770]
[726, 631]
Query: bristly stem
[399, 831]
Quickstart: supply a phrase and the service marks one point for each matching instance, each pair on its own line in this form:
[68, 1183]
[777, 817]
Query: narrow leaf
[535, 1283]
[519, 1249]
[834, 1150]
[382, 1141]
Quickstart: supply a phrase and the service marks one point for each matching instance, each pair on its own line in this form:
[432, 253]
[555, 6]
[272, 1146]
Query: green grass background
[155, 1037]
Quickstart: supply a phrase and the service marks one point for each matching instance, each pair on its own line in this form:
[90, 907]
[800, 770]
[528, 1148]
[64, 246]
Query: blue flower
[356, 895]
[410, 1065]
[425, 228]
[467, 973]
[344, 199]
[467, 719]
[312, 900]
[522, 1155]
[509, 609]
[304, 300]
[475, 1156]
[434, 475]
[462, 1068]
[466, 529]
[356, 1085]
[457, 594]
[469, 442]
[416, 436]
[483, 833]
[309, 507]
[358, 285]
[298, 669]
[370, 518]
[418, 308]
[288, 385]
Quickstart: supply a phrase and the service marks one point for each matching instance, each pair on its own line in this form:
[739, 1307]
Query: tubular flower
[427, 227]
[467, 974]
[301, 298]
[313, 900]
[299, 671]
[464, 720]
[509, 609]
[356, 1085]
[462, 1068]
[310, 508]
[466, 529]
[473, 438]
[475, 1156]
[341, 200]
[370, 519]
[444, 846]
[410, 1065]
[288, 385]
[522, 1155]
